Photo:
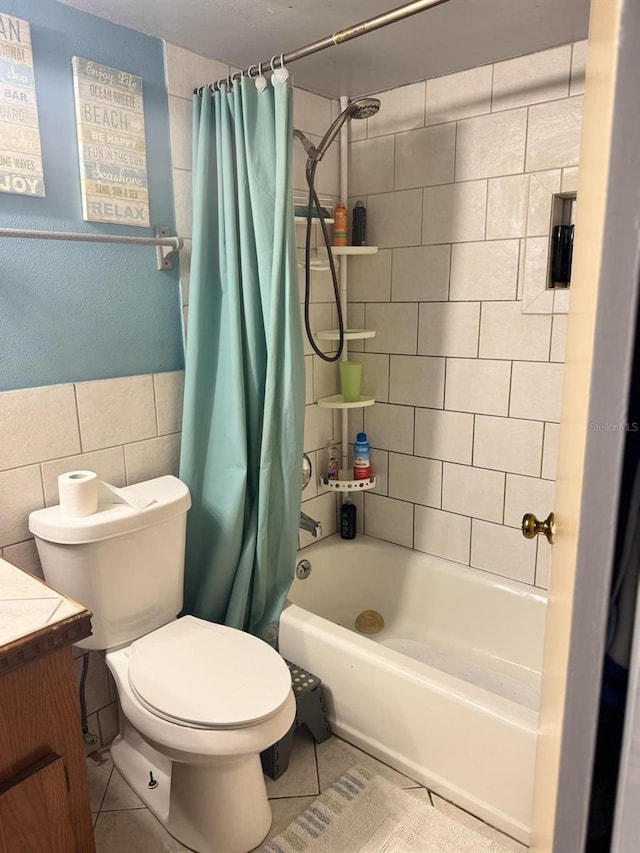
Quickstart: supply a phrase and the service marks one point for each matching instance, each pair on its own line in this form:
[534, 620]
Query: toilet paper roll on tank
[82, 493]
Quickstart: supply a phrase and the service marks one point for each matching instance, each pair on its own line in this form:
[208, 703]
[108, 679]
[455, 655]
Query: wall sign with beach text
[20, 152]
[111, 144]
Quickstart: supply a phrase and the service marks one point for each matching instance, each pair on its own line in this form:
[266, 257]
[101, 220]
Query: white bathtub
[448, 691]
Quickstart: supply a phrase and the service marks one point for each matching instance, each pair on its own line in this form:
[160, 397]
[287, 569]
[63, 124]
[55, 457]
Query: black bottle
[359, 225]
[348, 521]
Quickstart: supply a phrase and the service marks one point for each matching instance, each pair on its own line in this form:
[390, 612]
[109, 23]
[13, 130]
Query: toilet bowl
[210, 791]
[199, 701]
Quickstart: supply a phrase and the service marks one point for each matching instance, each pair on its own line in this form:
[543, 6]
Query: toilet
[199, 701]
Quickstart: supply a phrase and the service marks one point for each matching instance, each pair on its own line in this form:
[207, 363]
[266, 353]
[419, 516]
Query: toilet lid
[208, 675]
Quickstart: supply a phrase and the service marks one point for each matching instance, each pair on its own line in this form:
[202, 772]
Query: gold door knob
[531, 527]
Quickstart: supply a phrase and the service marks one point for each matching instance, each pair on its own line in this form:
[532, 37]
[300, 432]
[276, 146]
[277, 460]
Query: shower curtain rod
[368, 26]
[164, 243]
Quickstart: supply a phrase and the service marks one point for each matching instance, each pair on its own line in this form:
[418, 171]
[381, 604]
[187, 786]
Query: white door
[596, 381]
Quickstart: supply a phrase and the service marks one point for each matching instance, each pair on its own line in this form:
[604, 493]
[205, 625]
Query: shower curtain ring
[280, 73]
[261, 83]
[249, 74]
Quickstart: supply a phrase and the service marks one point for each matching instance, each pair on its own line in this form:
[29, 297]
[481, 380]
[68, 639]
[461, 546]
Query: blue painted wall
[74, 311]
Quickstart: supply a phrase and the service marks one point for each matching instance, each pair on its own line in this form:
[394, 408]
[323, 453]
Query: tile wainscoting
[125, 429]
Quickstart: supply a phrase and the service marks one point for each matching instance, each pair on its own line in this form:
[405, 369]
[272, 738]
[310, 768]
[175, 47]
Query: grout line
[106, 787]
[155, 403]
[42, 489]
[544, 436]
[75, 397]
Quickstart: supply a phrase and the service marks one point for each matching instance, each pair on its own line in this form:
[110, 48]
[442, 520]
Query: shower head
[363, 107]
[360, 108]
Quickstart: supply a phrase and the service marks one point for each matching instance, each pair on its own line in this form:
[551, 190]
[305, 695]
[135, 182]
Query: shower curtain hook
[261, 83]
[280, 74]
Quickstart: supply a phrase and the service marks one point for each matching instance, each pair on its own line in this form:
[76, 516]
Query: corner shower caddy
[335, 401]
[345, 483]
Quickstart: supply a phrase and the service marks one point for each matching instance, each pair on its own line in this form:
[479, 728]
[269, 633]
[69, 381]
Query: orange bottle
[340, 225]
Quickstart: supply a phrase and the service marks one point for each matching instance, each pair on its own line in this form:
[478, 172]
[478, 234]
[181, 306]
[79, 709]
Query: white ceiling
[456, 35]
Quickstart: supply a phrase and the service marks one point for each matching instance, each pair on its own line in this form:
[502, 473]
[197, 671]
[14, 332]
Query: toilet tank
[125, 565]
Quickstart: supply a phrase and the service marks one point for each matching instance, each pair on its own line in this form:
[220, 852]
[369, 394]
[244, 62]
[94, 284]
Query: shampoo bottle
[348, 520]
[359, 225]
[340, 225]
[361, 458]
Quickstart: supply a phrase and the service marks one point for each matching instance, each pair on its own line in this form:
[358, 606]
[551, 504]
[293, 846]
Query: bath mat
[363, 813]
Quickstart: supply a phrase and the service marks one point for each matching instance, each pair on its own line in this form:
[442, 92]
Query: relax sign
[20, 154]
[111, 144]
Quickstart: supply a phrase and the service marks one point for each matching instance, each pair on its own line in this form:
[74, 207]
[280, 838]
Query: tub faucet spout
[310, 524]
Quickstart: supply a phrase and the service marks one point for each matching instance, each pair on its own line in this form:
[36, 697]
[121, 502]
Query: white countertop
[27, 604]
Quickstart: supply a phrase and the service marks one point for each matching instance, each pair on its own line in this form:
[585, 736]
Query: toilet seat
[204, 675]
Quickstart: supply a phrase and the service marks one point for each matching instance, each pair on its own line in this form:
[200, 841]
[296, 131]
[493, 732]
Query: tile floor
[124, 825]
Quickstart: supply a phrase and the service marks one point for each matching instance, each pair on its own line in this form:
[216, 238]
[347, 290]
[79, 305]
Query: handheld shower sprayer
[307, 144]
[359, 109]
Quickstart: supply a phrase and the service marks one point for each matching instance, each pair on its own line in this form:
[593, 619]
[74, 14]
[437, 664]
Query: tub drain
[369, 622]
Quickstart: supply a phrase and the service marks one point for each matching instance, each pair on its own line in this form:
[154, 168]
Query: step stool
[309, 712]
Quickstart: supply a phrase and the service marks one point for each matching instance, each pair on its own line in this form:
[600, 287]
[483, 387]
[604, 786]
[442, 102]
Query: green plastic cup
[350, 376]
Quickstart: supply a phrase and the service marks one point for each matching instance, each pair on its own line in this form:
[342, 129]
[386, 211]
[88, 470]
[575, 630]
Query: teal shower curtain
[244, 382]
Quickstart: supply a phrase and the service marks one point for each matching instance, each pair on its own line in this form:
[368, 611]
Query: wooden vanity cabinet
[44, 798]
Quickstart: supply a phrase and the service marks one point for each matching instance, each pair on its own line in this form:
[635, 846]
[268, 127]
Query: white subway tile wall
[467, 427]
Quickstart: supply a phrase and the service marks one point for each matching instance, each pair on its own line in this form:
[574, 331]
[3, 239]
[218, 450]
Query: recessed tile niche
[552, 201]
